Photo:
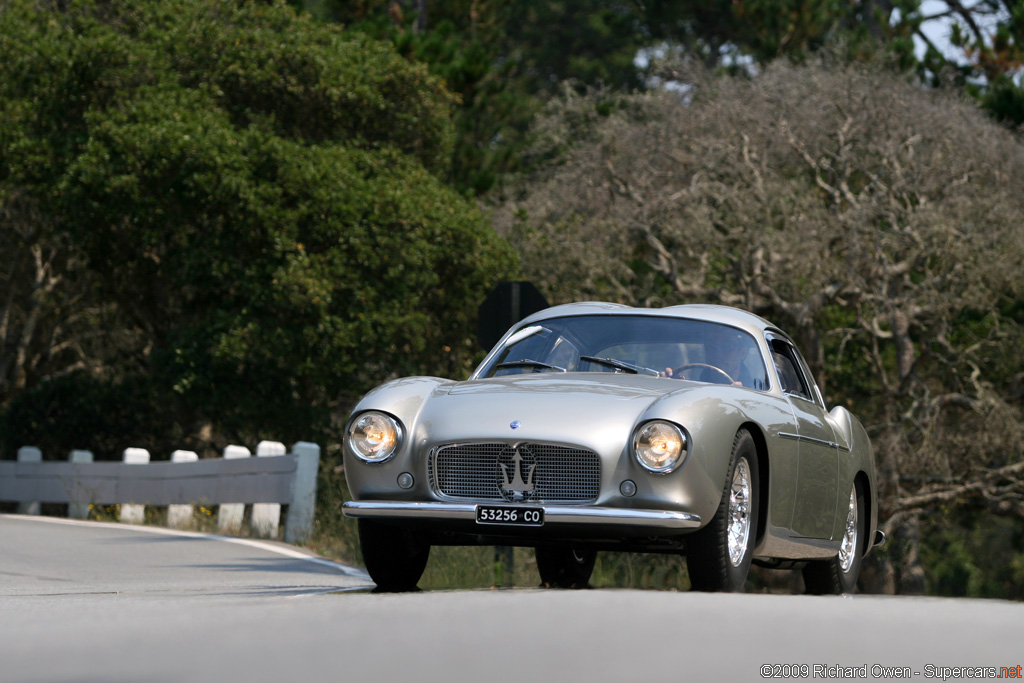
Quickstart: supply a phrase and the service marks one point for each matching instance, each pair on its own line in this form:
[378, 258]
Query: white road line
[262, 545]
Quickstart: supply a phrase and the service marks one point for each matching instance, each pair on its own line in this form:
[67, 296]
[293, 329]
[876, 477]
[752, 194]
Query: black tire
[827, 577]
[394, 557]
[565, 566]
[708, 560]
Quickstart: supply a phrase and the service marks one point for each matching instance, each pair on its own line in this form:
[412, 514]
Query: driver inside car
[725, 349]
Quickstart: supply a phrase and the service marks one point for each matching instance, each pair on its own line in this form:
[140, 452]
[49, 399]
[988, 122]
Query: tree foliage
[249, 198]
[505, 57]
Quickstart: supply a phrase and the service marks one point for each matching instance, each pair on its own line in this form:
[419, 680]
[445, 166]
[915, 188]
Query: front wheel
[565, 566]
[719, 555]
[394, 557]
[839, 574]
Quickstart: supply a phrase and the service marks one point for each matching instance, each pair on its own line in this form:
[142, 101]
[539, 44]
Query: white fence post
[29, 454]
[79, 510]
[130, 512]
[229, 516]
[301, 509]
[180, 516]
[266, 517]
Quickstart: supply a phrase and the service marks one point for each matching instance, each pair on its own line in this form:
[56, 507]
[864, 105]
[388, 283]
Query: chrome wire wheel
[839, 574]
[718, 556]
[739, 513]
[848, 550]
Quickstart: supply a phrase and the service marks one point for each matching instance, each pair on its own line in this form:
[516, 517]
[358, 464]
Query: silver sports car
[592, 426]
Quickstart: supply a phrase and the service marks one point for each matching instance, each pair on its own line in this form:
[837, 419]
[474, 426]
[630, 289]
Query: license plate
[503, 514]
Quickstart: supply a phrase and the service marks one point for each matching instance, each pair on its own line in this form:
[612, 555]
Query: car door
[814, 508]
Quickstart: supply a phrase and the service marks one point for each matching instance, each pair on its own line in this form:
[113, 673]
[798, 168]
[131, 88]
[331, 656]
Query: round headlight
[374, 437]
[659, 446]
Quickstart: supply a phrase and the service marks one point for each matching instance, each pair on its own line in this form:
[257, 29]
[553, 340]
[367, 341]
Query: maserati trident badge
[517, 477]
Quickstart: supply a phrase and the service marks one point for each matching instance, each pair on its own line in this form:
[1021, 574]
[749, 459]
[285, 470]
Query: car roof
[726, 315]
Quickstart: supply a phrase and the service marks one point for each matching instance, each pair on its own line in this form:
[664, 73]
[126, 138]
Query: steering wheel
[723, 373]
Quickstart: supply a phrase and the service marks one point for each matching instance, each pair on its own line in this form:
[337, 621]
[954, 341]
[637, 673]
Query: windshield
[646, 345]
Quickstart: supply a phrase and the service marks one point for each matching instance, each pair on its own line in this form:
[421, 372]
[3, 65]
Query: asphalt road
[86, 602]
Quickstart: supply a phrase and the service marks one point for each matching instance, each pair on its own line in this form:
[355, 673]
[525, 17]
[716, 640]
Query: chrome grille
[561, 474]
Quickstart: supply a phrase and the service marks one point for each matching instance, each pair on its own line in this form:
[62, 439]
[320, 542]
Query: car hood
[588, 409]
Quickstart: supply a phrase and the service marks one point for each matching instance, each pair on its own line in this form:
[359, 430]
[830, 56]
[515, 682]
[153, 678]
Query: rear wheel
[839, 574]
[395, 557]
[719, 555]
[565, 566]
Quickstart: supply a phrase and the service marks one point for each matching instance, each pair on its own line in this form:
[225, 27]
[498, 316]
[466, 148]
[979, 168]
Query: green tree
[503, 58]
[256, 194]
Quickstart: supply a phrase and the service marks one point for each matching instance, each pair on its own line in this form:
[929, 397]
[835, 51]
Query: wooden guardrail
[273, 478]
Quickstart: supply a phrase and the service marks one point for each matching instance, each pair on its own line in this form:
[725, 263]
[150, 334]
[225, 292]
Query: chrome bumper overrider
[553, 514]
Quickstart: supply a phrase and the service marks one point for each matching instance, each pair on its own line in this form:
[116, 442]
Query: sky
[938, 31]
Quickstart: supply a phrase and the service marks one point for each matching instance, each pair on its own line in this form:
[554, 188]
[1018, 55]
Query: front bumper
[610, 518]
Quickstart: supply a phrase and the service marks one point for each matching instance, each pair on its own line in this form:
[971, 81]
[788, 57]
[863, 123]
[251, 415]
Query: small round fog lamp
[628, 488]
[406, 480]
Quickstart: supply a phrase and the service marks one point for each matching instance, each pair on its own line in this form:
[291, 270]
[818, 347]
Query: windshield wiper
[527, 363]
[619, 364]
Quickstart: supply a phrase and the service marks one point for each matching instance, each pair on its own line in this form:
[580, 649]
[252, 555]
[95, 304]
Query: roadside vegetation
[222, 222]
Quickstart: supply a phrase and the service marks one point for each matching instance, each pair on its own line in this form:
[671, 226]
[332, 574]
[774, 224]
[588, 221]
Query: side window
[790, 370]
[809, 376]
